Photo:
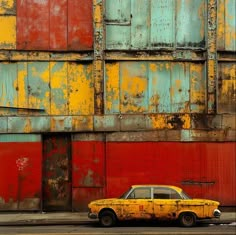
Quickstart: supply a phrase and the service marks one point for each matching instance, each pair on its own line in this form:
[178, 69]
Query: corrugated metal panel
[8, 32]
[155, 87]
[20, 172]
[143, 24]
[54, 25]
[57, 88]
[227, 87]
[226, 33]
[200, 168]
[88, 164]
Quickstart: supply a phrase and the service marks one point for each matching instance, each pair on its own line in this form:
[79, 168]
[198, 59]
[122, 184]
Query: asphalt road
[129, 229]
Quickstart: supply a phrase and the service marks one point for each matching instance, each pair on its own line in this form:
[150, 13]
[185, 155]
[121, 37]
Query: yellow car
[150, 202]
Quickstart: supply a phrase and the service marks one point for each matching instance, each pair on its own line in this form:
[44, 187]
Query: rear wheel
[107, 219]
[187, 219]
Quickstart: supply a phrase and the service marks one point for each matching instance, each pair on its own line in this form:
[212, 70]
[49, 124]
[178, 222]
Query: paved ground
[39, 218]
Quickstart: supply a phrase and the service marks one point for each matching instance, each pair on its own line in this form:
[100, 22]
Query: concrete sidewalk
[68, 218]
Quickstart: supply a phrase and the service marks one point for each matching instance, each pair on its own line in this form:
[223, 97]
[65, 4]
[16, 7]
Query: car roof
[157, 185]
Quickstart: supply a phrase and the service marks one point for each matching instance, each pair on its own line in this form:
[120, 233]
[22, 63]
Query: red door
[57, 173]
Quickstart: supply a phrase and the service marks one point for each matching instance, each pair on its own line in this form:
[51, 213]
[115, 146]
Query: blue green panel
[8, 84]
[118, 36]
[20, 138]
[38, 85]
[159, 87]
[231, 24]
[180, 89]
[134, 84]
[190, 23]
[3, 124]
[118, 11]
[162, 23]
[140, 22]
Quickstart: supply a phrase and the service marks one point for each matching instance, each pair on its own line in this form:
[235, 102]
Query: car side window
[165, 193]
[140, 193]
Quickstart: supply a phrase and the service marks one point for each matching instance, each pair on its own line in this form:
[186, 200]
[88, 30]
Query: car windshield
[124, 195]
[185, 195]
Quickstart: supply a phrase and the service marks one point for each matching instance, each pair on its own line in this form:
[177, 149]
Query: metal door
[57, 173]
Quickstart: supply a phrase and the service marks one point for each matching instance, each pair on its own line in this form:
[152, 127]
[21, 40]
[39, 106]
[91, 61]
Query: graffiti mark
[21, 163]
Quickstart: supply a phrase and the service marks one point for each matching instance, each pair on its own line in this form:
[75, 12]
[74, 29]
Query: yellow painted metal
[8, 32]
[112, 87]
[81, 89]
[5, 5]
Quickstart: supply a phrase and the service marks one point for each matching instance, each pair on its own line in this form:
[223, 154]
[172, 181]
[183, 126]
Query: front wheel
[107, 219]
[187, 219]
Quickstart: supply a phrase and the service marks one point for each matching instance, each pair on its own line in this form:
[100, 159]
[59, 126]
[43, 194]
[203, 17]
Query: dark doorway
[57, 173]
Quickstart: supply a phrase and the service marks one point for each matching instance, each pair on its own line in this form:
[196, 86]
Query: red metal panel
[82, 196]
[54, 25]
[80, 26]
[88, 164]
[204, 170]
[32, 25]
[58, 24]
[20, 175]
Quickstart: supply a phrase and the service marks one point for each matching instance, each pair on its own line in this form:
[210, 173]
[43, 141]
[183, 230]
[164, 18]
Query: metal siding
[58, 24]
[179, 89]
[8, 84]
[38, 86]
[133, 88]
[8, 32]
[159, 87]
[88, 164]
[199, 168]
[53, 25]
[20, 172]
[149, 28]
[58, 86]
[162, 23]
[80, 26]
[190, 15]
[226, 34]
[81, 89]
[140, 23]
[227, 87]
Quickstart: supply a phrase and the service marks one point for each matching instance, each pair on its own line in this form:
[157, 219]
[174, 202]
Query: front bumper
[217, 213]
[92, 215]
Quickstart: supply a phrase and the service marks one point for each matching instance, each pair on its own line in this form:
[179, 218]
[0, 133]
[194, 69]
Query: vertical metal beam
[98, 56]
[211, 58]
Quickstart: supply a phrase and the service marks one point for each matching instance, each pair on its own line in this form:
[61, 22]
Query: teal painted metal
[8, 84]
[20, 138]
[155, 24]
[231, 23]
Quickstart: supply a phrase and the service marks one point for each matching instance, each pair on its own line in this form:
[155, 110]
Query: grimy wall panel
[146, 24]
[54, 25]
[20, 172]
[47, 88]
[154, 87]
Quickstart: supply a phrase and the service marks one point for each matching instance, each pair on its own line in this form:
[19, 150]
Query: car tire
[187, 219]
[107, 219]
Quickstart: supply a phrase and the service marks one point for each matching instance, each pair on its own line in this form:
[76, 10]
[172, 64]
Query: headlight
[217, 213]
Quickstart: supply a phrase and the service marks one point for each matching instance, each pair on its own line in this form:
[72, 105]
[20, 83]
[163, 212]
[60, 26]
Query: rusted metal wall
[20, 172]
[88, 172]
[138, 70]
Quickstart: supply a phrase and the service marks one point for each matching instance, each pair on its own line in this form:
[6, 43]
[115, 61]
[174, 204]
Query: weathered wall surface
[146, 74]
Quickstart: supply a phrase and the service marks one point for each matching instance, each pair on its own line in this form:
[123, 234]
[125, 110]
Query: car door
[165, 203]
[139, 204]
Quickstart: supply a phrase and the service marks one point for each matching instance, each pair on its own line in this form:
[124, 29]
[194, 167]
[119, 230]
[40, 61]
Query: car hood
[206, 201]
